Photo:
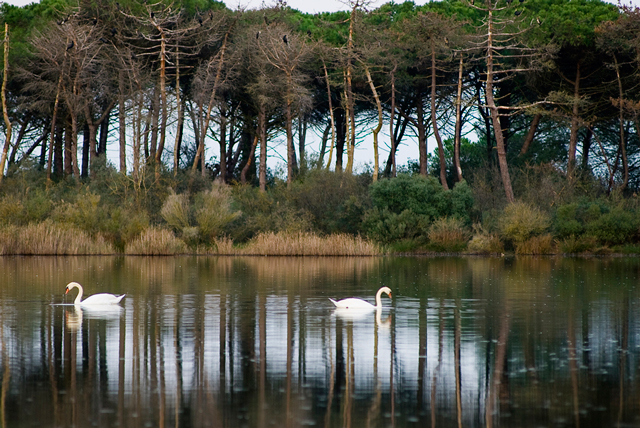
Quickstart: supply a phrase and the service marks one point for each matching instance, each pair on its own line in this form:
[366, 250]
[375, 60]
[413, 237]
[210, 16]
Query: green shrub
[385, 226]
[85, 213]
[334, 201]
[448, 234]
[520, 221]
[566, 221]
[618, 226]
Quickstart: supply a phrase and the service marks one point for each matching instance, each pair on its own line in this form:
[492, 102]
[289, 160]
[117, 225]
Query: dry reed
[307, 244]
[536, 245]
[50, 239]
[156, 242]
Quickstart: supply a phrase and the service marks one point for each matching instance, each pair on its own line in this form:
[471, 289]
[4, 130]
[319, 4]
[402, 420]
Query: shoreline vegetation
[407, 215]
[136, 128]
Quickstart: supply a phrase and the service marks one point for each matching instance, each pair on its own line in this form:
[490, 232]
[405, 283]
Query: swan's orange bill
[66, 291]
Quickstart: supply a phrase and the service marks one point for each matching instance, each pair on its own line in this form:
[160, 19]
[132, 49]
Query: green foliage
[404, 207]
[520, 221]
[618, 226]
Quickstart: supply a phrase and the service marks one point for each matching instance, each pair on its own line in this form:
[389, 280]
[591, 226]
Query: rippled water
[255, 342]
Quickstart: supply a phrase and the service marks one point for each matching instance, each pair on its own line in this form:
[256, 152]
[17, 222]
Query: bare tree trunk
[5, 114]
[205, 120]
[289, 132]
[122, 123]
[176, 144]
[378, 127]
[623, 145]
[531, 134]
[223, 145]
[53, 128]
[302, 140]
[262, 125]
[392, 153]
[573, 139]
[245, 169]
[497, 128]
[434, 120]
[349, 92]
[331, 117]
[154, 113]
[458, 131]
[422, 138]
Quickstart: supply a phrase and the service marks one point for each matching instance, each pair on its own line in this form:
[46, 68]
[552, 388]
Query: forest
[143, 127]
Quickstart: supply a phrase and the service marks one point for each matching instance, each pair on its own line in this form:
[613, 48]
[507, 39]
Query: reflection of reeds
[48, 238]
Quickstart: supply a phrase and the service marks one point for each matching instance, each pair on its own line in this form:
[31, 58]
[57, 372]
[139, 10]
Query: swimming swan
[353, 303]
[96, 299]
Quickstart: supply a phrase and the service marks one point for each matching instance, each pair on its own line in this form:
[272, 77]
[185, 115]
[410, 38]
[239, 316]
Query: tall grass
[309, 244]
[47, 238]
[448, 234]
[156, 242]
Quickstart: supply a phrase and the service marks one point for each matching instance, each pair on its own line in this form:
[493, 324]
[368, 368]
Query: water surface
[255, 342]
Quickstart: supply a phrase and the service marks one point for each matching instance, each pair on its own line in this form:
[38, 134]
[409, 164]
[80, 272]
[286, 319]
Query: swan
[96, 299]
[353, 303]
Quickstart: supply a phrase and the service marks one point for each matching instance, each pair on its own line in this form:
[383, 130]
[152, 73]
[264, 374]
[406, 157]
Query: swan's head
[70, 286]
[386, 290]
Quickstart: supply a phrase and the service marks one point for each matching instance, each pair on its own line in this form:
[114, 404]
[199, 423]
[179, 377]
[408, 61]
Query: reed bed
[309, 244]
[47, 238]
[536, 245]
[156, 242]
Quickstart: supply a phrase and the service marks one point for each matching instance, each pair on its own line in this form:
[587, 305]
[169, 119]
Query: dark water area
[255, 342]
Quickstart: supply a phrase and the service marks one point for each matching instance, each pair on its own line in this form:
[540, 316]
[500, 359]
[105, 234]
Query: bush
[214, 212]
[155, 241]
[484, 243]
[404, 207]
[536, 245]
[520, 221]
[10, 211]
[448, 234]
[566, 221]
[175, 211]
[385, 226]
[613, 228]
[578, 244]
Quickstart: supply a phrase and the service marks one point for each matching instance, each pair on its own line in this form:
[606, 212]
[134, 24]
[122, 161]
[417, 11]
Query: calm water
[235, 342]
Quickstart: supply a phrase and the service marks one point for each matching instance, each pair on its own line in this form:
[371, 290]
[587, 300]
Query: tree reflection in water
[232, 342]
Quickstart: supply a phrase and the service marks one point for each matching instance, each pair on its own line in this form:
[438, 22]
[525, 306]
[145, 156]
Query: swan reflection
[74, 317]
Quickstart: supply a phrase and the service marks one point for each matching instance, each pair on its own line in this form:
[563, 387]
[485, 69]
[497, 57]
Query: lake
[255, 342]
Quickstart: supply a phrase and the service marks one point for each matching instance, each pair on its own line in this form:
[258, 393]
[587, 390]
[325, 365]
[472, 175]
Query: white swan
[353, 303]
[96, 299]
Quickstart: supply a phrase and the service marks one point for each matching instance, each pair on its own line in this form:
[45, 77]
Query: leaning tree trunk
[458, 131]
[573, 138]
[378, 127]
[434, 120]
[5, 114]
[497, 128]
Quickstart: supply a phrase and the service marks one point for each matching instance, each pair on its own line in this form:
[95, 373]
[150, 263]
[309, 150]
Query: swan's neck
[378, 299]
[79, 296]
